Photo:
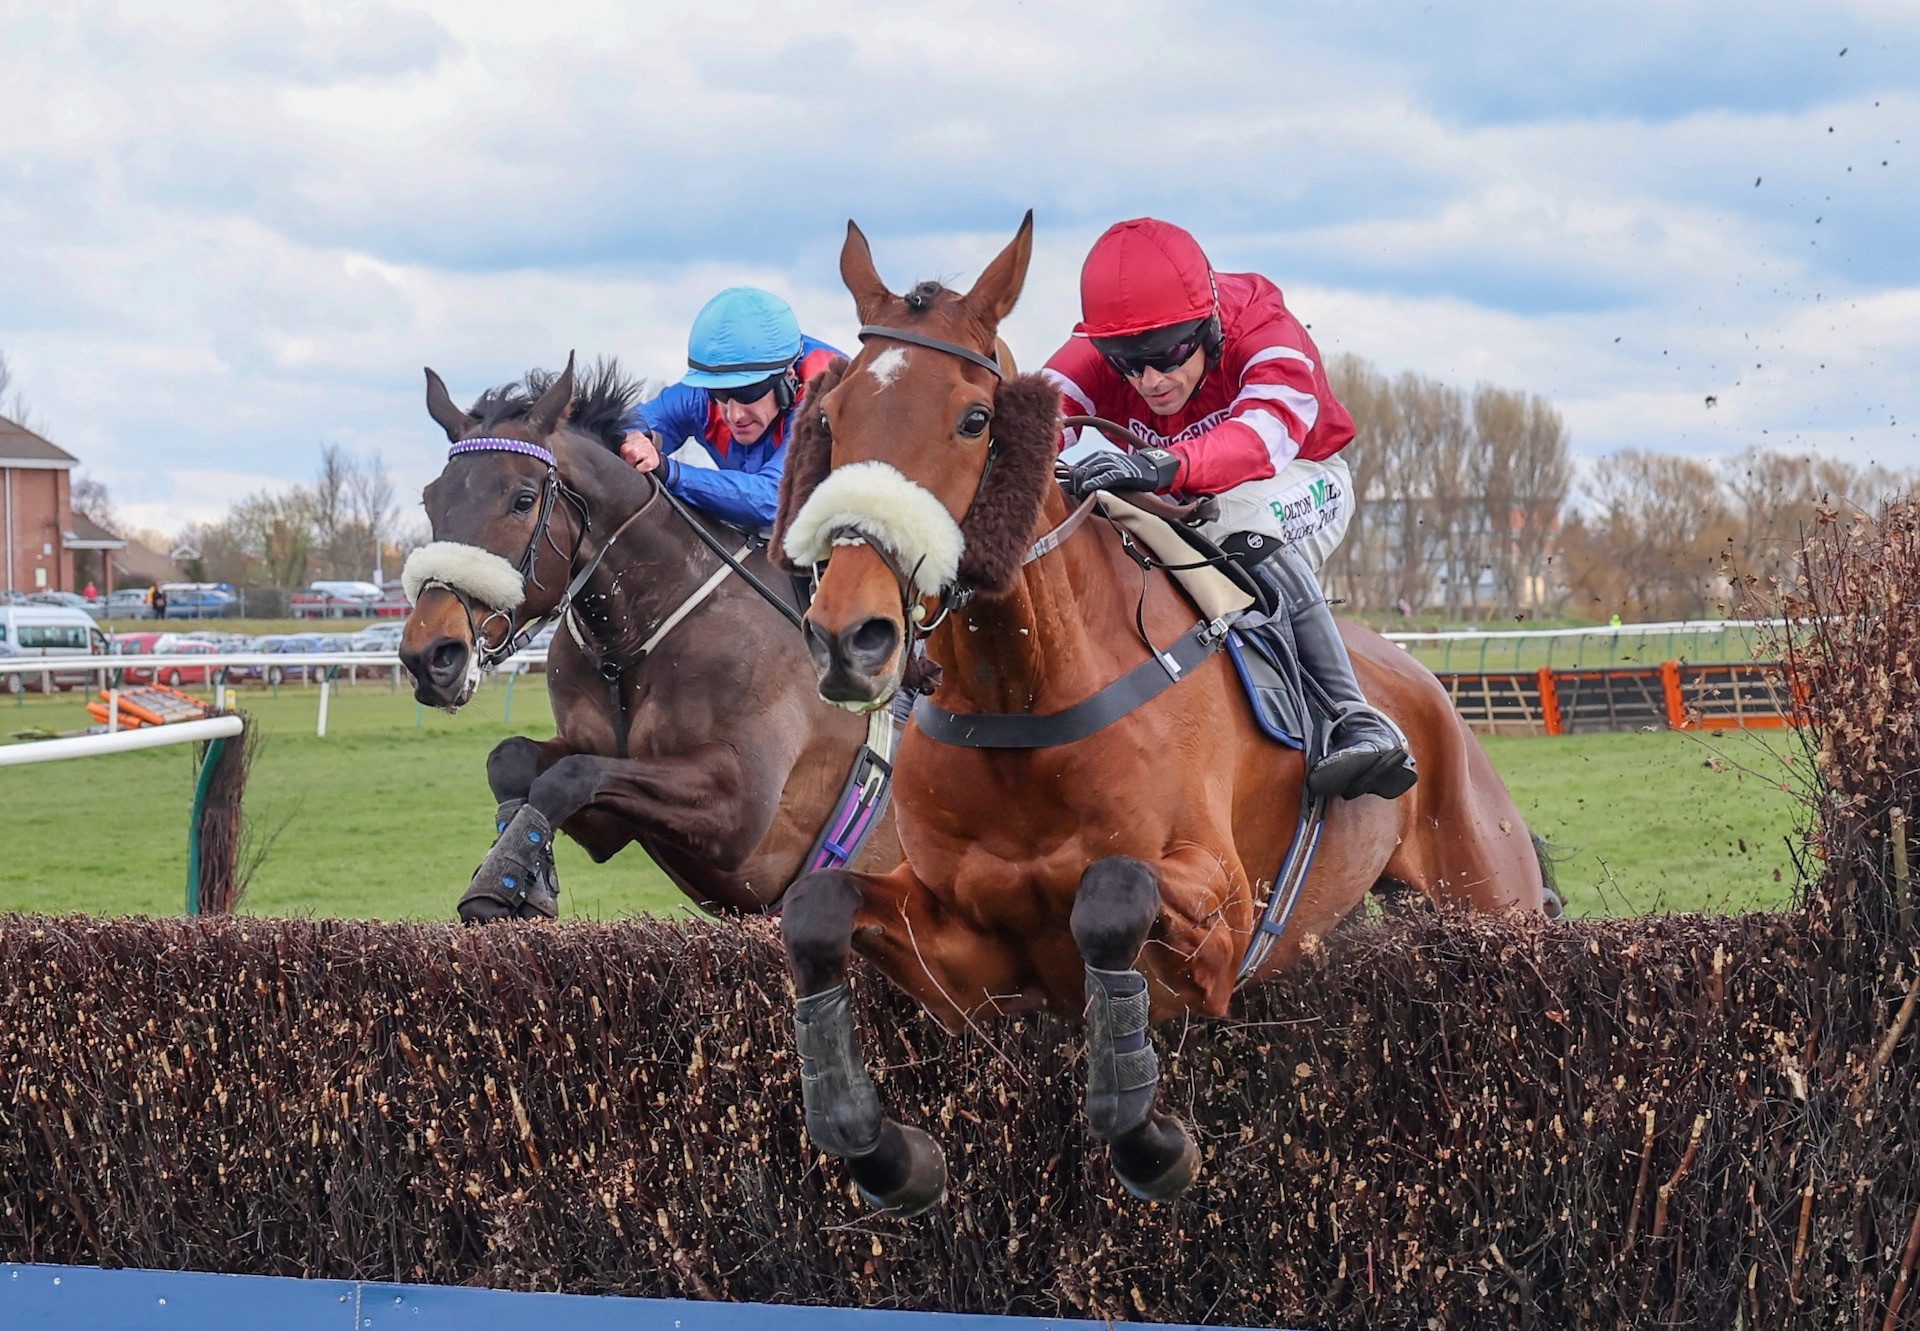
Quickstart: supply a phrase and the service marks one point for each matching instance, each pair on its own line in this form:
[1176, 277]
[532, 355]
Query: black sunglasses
[1133, 364]
[746, 392]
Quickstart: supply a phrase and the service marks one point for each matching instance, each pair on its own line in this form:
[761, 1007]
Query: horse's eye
[975, 421]
[523, 502]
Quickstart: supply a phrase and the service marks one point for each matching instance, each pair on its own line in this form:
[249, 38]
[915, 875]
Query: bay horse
[682, 698]
[1118, 877]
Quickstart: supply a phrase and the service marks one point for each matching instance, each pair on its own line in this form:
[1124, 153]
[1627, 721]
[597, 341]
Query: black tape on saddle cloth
[1269, 679]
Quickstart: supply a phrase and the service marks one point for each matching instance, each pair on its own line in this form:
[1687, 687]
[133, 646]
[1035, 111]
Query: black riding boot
[1367, 754]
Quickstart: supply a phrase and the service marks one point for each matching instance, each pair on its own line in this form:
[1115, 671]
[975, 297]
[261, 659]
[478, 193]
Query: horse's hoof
[1550, 904]
[542, 903]
[483, 910]
[1157, 1161]
[905, 1174]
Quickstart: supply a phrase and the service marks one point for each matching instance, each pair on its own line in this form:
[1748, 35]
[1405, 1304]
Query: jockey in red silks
[1231, 394]
[747, 369]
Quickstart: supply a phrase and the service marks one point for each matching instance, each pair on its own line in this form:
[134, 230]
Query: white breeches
[1308, 506]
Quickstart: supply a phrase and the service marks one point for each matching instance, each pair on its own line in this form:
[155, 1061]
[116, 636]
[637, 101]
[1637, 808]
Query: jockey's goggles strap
[520, 446]
[933, 344]
[742, 367]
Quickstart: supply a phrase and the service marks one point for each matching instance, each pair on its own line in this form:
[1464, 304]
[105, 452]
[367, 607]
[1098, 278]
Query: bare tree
[88, 497]
[327, 508]
[13, 404]
[1529, 470]
[371, 502]
[1651, 547]
[271, 534]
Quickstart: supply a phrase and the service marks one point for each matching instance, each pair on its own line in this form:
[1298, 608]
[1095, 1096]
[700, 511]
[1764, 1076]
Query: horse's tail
[1551, 901]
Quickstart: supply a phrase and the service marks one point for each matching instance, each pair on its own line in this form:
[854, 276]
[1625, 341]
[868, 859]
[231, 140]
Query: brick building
[44, 544]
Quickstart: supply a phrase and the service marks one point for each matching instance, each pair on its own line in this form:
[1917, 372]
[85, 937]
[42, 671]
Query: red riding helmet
[1144, 275]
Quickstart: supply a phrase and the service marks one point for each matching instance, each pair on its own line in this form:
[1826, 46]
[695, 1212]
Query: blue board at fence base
[86, 1298]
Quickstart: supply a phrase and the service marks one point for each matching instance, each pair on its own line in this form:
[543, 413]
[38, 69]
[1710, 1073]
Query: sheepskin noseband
[478, 574]
[887, 510]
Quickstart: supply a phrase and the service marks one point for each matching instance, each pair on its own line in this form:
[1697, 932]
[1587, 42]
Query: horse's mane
[602, 397]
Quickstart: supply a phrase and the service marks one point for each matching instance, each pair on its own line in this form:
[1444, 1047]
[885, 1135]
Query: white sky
[230, 234]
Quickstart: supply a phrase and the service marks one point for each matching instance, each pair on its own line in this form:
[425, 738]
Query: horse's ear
[993, 296]
[554, 404]
[440, 406]
[809, 456]
[999, 523]
[861, 277]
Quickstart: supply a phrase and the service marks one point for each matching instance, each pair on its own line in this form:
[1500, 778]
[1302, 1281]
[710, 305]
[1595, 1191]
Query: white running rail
[122, 741]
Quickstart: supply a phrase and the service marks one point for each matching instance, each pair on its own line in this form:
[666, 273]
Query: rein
[551, 487]
[490, 657]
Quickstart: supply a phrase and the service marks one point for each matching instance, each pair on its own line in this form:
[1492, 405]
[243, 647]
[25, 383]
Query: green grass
[388, 815]
[384, 818]
[1662, 821]
[250, 627]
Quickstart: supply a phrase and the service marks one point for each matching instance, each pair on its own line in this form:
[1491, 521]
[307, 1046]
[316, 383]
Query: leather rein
[954, 596]
[553, 488]
[1163, 668]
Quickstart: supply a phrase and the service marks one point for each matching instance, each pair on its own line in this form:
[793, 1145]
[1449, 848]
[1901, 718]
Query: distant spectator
[159, 602]
[91, 592]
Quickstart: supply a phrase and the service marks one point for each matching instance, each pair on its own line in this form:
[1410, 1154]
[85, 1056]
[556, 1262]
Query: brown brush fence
[1680, 1121]
[1597, 1125]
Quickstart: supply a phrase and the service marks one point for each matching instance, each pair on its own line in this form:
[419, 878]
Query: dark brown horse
[1118, 877]
[687, 721]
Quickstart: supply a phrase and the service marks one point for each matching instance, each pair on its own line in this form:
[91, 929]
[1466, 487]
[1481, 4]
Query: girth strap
[1019, 730]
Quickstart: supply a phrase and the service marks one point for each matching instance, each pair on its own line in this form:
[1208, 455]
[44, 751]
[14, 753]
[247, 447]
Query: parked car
[173, 676]
[69, 600]
[137, 644]
[340, 643]
[57, 634]
[225, 642]
[129, 603]
[347, 590]
[274, 644]
[200, 600]
[378, 638]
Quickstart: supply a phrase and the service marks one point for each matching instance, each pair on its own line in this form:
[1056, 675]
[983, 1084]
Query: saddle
[1222, 584]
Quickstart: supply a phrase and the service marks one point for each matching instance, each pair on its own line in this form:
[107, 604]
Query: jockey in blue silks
[747, 367]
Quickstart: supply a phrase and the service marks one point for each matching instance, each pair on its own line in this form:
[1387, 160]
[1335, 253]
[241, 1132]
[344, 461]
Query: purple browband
[502, 446]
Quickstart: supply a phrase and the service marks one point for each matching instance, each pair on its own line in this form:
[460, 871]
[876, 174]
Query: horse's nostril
[873, 642]
[448, 658]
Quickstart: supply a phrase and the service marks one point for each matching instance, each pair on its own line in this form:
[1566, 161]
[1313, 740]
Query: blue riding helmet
[741, 336]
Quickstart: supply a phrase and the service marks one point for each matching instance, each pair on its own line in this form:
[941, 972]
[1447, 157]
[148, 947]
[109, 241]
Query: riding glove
[1142, 469]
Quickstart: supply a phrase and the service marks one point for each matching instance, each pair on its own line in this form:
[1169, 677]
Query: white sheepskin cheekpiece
[887, 510]
[482, 575]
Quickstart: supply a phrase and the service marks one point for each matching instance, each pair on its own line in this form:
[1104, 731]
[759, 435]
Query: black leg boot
[1367, 754]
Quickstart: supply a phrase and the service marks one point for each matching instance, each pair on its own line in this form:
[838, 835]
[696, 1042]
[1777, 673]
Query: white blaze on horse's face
[899, 516]
[887, 365]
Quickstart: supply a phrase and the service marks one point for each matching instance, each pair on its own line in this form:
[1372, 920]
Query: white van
[52, 633]
[345, 590]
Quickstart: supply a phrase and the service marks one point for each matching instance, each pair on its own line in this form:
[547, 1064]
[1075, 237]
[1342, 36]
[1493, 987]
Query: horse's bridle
[955, 595]
[552, 488]
[951, 595]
